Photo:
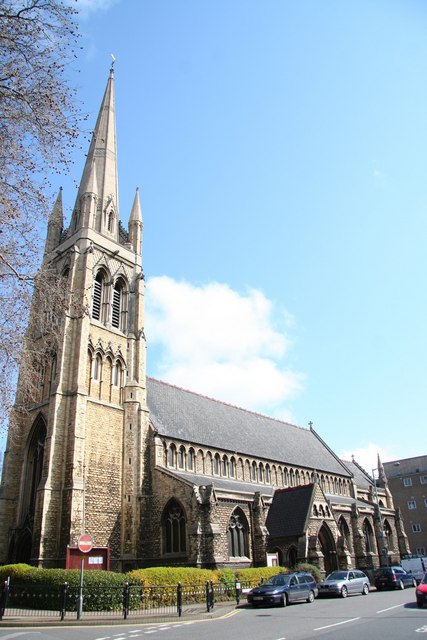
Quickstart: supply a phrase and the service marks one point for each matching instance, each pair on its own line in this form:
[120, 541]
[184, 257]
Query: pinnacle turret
[136, 225]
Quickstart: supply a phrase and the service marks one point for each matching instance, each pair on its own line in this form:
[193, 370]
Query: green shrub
[42, 589]
[310, 568]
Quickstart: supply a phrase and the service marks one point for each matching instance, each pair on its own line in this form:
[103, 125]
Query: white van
[417, 565]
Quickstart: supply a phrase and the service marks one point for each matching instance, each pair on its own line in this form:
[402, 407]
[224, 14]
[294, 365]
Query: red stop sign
[85, 543]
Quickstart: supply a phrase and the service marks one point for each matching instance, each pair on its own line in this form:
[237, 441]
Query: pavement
[189, 613]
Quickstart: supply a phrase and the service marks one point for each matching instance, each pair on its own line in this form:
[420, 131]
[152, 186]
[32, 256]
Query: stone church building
[157, 474]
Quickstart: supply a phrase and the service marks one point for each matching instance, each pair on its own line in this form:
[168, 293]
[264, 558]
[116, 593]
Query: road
[390, 614]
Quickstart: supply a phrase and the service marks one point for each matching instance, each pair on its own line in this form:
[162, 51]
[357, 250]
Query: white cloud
[85, 7]
[216, 341]
[367, 456]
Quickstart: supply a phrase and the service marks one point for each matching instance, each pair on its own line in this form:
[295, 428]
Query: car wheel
[365, 590]
[344, 592]
[419, 604]
[283, 601]
[401, 585]
[379, 588]
[310, 597]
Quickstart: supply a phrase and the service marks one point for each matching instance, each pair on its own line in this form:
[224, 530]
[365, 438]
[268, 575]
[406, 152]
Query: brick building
[407, 481]
[155, 473]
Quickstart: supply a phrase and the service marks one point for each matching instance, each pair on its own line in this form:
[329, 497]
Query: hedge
[41, 589]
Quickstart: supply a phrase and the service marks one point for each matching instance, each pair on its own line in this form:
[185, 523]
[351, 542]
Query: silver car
[344, 583]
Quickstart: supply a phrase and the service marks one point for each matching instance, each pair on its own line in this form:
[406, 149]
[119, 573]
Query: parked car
[284, 588]
[393, 578]
[344, 583]
[421, 592]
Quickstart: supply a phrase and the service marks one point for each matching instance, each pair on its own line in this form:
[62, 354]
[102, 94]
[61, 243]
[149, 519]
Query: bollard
[4, 597]
[179, 599]
[126, 598]
[64, 600]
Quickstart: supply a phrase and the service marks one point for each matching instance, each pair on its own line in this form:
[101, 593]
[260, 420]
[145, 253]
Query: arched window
[238, 535]
[99, 294]
[254, 474]
[190, 460]
[118, 306]
[388, 532]
[261, 472]
[224, 466]
[174, 528]
[216, 462]
[292, 478]
[181, 457]
[369, 536]
[172, 455]
[97, 366]
[232, 468]
[292, 557]
[110, 222]
[34, 467]
[117, 375]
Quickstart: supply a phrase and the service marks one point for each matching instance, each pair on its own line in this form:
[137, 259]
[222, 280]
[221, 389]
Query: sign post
[85, 545]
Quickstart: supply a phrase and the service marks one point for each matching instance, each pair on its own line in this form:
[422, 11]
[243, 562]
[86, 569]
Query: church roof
[183, 415]
[295, 504]
[361, 477]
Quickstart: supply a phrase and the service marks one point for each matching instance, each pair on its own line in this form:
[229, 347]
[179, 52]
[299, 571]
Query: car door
[355, 582]
[303, 587]
[293, 592]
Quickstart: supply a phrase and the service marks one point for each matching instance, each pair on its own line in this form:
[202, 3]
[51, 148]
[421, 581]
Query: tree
[39, 127]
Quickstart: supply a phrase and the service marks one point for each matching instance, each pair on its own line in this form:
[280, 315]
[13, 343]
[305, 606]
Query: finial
[113, 59]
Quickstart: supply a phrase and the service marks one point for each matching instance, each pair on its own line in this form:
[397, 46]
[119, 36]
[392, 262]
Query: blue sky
[280, 150]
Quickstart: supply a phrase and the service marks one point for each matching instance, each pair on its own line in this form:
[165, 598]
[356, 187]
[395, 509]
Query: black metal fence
[66, 601]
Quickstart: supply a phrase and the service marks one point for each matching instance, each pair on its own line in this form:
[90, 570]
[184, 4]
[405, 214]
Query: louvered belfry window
[117, 304]
[97, 296]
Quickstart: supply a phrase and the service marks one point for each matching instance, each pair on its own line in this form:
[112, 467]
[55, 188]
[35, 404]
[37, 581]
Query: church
[156, 474]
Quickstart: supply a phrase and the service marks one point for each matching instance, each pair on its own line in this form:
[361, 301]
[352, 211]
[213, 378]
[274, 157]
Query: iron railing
[129, 600]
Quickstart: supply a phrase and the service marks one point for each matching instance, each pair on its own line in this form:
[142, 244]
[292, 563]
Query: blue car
[393, 578]
[283, 589]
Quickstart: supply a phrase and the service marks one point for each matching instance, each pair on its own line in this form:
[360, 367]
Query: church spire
[55, 225]
[100, 170]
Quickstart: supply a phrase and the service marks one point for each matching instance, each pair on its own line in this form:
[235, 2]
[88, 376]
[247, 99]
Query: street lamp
[383, 551]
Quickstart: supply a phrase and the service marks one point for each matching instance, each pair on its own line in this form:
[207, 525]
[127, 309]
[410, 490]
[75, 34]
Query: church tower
[75, 458]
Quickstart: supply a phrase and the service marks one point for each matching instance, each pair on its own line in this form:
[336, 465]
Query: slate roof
[183, 415]
[361, 477]
[287, 515]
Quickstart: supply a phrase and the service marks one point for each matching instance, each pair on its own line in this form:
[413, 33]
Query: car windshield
[279, 579]
[337, 575]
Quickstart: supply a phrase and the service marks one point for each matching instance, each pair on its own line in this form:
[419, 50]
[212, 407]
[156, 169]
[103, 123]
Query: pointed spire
[55, 225]
[136, 215]
[135, 225]
[100, 169]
